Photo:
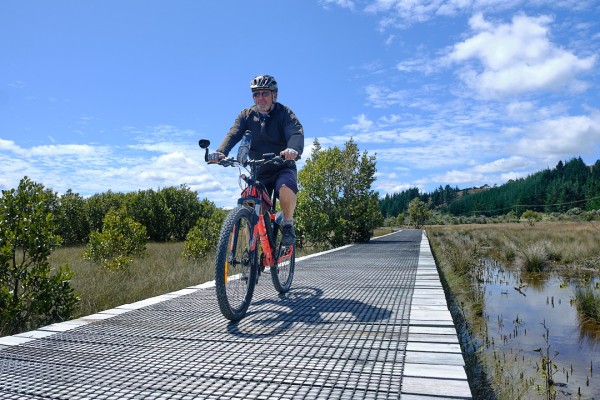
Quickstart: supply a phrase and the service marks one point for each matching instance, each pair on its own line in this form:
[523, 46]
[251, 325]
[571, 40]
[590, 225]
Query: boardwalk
[367, 321]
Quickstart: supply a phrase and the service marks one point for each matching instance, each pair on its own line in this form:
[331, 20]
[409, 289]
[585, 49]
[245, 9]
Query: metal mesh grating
[340, 333]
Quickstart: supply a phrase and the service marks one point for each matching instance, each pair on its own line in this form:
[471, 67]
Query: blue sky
[101, 95]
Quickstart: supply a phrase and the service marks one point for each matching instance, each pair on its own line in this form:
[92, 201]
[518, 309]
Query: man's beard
[264, 108]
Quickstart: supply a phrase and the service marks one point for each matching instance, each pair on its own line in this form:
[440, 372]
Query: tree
[31, 294]
[185, 209]
[336, 205]
[71, 221]
[149, 209]
[418, 212]
[98, 205]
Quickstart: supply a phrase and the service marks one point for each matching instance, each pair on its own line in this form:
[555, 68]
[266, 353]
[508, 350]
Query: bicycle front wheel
[282, 273]
[236, 267]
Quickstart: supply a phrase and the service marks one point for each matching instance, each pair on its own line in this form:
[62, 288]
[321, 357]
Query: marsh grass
[534, 258]
[564, 243]
[567, 248]
[587, 300]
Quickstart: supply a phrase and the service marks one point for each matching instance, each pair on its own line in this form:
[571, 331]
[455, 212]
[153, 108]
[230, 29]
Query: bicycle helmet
[263, 82]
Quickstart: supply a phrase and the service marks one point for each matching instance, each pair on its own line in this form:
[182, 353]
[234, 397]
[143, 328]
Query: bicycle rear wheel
[282, 273]
[236, 265]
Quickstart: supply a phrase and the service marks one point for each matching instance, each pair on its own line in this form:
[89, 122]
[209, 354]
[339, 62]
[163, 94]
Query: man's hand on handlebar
[215, 157]
[289, 154]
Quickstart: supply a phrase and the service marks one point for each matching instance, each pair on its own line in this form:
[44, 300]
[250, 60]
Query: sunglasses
[265, 93]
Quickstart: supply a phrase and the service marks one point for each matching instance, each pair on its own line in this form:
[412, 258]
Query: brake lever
[227, 162]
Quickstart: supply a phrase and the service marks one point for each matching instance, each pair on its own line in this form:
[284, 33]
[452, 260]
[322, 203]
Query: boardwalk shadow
[303, 305]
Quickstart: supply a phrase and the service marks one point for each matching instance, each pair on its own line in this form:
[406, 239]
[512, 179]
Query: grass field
[161, 269]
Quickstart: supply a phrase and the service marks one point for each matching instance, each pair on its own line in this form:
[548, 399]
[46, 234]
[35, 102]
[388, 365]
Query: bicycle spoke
[236, 266]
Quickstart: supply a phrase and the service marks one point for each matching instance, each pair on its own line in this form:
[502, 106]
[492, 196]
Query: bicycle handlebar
[268, 158]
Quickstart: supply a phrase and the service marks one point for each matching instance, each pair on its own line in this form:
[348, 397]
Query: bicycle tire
[236, 265]
[282, 273]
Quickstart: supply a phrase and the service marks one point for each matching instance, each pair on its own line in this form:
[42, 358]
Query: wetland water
[516, 307]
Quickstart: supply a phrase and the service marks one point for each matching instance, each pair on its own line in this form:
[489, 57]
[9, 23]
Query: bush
[531, 216]
[203, 237]
[120, 239]
[30, 296]
[574, 211]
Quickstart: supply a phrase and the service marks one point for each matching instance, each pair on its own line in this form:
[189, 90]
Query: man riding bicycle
[275, 129]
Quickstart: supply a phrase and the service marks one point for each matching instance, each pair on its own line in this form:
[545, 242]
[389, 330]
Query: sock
[288, 221]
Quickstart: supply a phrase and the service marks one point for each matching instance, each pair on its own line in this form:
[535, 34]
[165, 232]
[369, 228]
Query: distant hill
[569, 185]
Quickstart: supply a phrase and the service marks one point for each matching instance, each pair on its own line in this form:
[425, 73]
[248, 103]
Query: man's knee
[291, 186]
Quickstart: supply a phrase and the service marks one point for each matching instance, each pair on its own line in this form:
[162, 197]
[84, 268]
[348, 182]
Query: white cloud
[393, 186]
[160, 147]
[516, 58]
[380, 97]
[403, 13]
[362, 124]
[519, 109]
[423, 65]
[11, 146]
[504, 165]
[89, 169]
[459, 177]
[562, 137]
[62, 150]
[349, 4]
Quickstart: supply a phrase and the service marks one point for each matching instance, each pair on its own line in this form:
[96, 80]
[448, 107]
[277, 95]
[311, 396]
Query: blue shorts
[276, 179]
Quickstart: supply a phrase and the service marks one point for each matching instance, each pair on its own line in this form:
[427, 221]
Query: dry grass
[564, 242]
[162, 269]
[534, 257]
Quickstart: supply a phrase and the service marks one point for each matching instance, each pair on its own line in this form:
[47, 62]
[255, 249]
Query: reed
[564, 242]
[587, 300]
[534, 258]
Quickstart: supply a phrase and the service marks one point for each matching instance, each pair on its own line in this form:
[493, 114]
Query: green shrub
[203, 237]
[531, 216]
[120, 239]
[30, 296]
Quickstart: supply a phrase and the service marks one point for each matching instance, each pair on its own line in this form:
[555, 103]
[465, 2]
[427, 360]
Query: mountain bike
[250, 240]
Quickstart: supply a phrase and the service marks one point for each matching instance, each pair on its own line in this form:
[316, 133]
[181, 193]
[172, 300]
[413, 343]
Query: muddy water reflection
[516, 306]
